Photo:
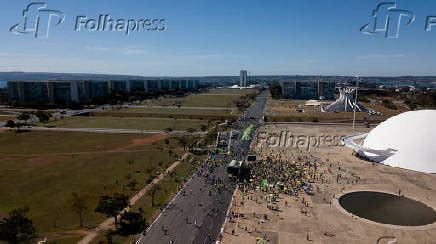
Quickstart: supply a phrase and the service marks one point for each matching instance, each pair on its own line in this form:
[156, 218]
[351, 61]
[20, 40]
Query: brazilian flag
[264, 184]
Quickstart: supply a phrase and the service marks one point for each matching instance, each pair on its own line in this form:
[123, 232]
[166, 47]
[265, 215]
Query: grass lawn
[169, 113]
[129, 123]
[41, 170]
[223, 98]
[188, 113]
[181, 111]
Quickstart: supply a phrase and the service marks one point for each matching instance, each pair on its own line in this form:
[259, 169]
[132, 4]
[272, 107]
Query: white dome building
[412, 138]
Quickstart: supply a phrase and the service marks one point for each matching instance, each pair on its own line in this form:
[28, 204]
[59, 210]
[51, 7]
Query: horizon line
[200, 76]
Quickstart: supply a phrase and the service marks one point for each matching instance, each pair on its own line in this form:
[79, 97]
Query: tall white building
[243, 79]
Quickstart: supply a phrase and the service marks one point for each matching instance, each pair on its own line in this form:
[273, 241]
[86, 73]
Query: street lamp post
[355, 104]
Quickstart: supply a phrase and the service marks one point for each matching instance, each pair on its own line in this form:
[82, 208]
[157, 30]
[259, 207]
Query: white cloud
[120, 50]
[382, 56]
[97, 49]
[21, 55]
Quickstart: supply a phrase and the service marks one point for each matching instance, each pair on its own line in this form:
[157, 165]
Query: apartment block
[308, 89]
[76, 91]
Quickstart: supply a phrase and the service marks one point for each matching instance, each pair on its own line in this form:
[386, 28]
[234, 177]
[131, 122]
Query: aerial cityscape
[206, 122]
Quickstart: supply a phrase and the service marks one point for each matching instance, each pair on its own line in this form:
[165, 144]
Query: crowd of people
[281, 176]
[300, 175]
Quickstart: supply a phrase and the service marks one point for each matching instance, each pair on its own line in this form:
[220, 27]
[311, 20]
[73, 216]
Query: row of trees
[23, 118]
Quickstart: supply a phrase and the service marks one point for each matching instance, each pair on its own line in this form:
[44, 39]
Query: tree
[154, 190]
[79, 206]
[131, 223]
[42, 116]
[57, 213]
[132, 184]
[112, 205]
[10, 124]
[24, 117]
[276, 90]
[183, 142]
[130, 162]
[17, 227]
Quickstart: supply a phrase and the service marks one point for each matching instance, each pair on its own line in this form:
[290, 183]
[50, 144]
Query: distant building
[346, 102]
[309, 90]
[76, 91]
[243, 78]
[3, 96]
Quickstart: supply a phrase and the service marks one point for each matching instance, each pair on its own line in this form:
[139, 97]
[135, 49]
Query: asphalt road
[110, 130]
[198, 211]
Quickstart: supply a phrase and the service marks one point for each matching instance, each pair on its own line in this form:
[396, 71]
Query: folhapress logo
[387, 19]
[37, 20]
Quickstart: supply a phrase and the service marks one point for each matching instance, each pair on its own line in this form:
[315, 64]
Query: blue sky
[220, 37]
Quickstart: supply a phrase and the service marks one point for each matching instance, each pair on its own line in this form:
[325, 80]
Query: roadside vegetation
[60, 176]
[129, 123]
[149, 206]
[276, 90]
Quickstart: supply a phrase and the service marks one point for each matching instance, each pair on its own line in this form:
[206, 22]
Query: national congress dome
[412, 135]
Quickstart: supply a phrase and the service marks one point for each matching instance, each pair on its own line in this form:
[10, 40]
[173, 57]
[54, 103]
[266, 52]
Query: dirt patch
[43, 160]
[143, 141]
